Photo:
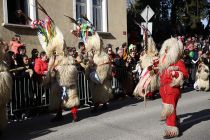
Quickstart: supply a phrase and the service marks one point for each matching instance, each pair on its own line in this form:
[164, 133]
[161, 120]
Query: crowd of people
[18, 61]
[125, 60]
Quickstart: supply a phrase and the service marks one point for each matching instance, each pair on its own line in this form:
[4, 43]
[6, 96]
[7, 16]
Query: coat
[40, 66]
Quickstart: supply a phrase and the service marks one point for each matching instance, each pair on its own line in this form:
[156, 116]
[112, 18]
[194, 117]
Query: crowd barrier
[29, 94]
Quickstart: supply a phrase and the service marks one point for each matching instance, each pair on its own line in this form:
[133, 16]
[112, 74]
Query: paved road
[125, 120]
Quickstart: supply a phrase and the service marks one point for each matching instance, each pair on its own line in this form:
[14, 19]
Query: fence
[29, 94]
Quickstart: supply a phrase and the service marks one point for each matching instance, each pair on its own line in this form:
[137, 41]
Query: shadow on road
[41, 125]
[193, 119]
[114, 105]
[187, 89]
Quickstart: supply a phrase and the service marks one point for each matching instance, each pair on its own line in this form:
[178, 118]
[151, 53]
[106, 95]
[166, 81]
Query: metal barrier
[116, 82]
[29, 94]
[83, 90]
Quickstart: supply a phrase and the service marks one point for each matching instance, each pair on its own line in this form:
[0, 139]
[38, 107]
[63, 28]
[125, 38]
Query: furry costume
[98, 69]
[67, 77]
[63, 83]
[62, 73]
[102, 92]
[146, 58]
[5, 89]
[202, 78]
[172, 72]
[148, 82]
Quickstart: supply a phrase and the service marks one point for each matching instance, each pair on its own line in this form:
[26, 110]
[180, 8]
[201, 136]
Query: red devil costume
[172, 73]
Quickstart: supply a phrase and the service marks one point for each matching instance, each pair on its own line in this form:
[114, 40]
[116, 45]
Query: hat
[108, 46]
[131, 47]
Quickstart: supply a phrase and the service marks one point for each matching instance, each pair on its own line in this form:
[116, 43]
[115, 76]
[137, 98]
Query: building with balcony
[108, 16]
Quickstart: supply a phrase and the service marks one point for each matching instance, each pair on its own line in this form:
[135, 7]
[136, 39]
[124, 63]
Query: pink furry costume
[5, 88]
[62, 73]
[148, 83]
[172, 72]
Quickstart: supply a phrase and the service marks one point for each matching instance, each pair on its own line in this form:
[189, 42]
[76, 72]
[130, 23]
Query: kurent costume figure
[5, 88]
[148, 83]
[202, 78]
[99, 72]
[98, 69]
[62, 73]
[172, 73]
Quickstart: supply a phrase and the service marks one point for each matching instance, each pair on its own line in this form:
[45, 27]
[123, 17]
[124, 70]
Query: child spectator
[28, 69]
[15, 43]
[20, 54]
[41, 65]
[34, 56]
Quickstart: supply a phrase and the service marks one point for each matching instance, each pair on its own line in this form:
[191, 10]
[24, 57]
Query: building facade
[108, 16]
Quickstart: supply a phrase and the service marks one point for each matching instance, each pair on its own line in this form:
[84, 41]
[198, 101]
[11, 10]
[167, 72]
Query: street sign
[149, 27]
[147, 13]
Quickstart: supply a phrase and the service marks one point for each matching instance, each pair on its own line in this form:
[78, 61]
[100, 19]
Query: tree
[171, 16]
[188, 13]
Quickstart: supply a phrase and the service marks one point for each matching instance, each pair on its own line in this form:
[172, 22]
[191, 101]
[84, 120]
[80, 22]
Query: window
[12, 9]
[97, 14]
[96, 11]
[81, 8]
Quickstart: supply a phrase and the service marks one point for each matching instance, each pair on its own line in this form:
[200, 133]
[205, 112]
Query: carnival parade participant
[148, 83]
[202, 78]
[172, 73]
[5, 87]
[62, 73]
[99, 68]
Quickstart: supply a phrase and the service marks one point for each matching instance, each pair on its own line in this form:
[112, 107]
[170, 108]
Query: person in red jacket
[172, 73]
[41, 65]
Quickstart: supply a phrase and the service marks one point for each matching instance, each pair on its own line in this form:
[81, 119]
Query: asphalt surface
[126, 119]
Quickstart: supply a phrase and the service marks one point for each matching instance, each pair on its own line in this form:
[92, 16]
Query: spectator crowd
[125, 63]
[124, 60]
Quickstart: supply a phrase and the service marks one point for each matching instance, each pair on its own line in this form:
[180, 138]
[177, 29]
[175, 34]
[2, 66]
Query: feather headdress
[50, 36]
[146, 33]
[87, 33]
[84, 29]
[151, 47]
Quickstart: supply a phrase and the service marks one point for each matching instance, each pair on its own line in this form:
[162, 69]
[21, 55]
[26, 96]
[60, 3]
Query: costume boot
[171, 132]
[74, 114]
[58, 117]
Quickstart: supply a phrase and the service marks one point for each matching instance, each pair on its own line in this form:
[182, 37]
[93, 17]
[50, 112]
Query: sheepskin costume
[146, 58]
[98, 70]
[202, 78]
[62, 73]
[172, 73]
[148, 82]
[5, 89]
[100, 87]
[67, 77]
